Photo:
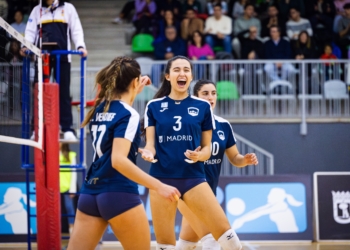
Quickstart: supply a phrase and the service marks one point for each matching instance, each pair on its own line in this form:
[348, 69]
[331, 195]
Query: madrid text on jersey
[212, 161]
[172, 138]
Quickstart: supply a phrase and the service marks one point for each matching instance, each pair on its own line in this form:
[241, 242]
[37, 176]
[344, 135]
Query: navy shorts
[183, 185]
[107, 205]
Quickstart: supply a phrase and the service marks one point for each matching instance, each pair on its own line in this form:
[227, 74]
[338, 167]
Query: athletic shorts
[107, 205]
[183, 185]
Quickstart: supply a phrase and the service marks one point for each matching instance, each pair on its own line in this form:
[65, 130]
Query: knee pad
[165, 247]
[185, 245]
[230, 241]
[209, 243]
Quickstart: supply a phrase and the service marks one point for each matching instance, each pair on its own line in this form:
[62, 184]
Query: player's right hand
[22, 52]
[169, 192]
[146, 154]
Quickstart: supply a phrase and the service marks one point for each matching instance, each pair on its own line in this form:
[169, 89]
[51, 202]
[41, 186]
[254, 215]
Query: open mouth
[181, 83]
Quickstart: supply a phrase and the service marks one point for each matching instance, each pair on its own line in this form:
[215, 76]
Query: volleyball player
[223, 142]
[109, 194]
[178, 135]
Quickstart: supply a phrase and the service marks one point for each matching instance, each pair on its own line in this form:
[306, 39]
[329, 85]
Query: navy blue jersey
[121, 121]
[222, 139]
[178, 127]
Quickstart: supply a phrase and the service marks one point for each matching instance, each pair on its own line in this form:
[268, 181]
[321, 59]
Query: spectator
[344, 31]
[125, 12]
[320, 13]
[19, 25]
[166, 21]
[273, 19]
[296, 24]
[238, 8]
[144, 14]
[304, 47]
[252, 48]
[3, 9]
[58, 29]
[243, 23]
[190, 24]
[173, 5]
[212, 3]
[191, 4]
[218, 29]
[328, 55]
[13, 55]
[171, 46]
[285, 5]
[277, 48]
[339, 9]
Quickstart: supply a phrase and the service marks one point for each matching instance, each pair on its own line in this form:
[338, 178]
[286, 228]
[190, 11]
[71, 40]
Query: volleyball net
[18, 103]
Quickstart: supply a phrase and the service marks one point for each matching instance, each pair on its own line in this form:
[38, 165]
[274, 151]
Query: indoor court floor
[246, 246]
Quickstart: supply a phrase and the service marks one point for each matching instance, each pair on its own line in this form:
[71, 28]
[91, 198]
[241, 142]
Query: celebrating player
[178, 137]
[109, 194]
[223, 142]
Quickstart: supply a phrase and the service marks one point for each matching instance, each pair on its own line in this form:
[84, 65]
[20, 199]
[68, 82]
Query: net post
[47, 174]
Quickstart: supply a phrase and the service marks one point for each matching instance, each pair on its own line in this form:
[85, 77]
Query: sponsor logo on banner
[13, 208]
[193, 111]
[274, 207]
[341, 207]
[221, 135]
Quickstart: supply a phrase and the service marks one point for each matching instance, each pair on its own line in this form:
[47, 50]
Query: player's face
[180, 75]
[208, 92]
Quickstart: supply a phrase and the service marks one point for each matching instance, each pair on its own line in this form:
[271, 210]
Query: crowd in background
[246, 29]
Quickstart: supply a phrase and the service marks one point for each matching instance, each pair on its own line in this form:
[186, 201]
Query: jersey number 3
[178, 123]
[98, 133]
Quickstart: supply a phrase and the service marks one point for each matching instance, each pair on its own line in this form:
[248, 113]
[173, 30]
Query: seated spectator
[125, 12]
[144, 14]
[238, 8]
[190, 24]
[344, 31]
[171, 46]
[273, 19]
[296, 24]
[320, 13]
[304, 47]
[252, 48]
[199, 50]
[218, 29]
[13, 55]
[191, 4]
[328, 55]
[285, 5]
[166, 21]
[277, 48]
[19, 25]
[173, 5]
[339, 11]
[243, 23]
[212, 3]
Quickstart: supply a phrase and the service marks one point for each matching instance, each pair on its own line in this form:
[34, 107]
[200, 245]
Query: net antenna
[9, 73]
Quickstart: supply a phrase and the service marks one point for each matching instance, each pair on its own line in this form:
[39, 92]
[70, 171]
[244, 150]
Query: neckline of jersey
[187, 97]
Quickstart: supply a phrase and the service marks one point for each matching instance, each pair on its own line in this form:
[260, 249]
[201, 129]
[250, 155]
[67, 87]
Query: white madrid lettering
[179, 138]
[105, 117]
[212, 161]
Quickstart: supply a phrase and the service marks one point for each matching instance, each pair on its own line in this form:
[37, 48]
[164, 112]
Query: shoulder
[222, 120]
[226, 18]
[200, 101]
[155, 101]
[129, 111]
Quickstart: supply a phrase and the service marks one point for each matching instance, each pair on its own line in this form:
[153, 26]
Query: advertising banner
[332, 206]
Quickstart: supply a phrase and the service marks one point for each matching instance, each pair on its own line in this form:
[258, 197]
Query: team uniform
[103, 183]
[178, 127]
[60, 24]
[222, 139]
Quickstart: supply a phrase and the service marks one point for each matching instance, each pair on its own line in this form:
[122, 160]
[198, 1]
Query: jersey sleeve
[231, 140]
[127, 126]
[149, 119]
[209, 120]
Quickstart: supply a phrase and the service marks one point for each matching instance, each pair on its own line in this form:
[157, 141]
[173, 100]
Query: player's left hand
[193, 155]
[85, 53]
[251, 159]
[146, 154]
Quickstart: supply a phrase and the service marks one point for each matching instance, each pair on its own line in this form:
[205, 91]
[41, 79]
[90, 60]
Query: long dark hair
[308, 41]
[198, 86]
[114, 80]
[200, 34]
[165, 88]
[65, 151]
